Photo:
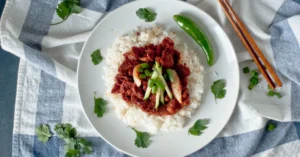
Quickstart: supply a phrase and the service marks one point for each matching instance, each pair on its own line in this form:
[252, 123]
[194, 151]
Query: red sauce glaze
[168, 57]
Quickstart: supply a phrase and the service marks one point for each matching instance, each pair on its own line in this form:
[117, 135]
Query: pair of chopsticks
[250, 45]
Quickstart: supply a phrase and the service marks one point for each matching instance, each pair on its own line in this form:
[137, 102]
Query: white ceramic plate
[123, 21]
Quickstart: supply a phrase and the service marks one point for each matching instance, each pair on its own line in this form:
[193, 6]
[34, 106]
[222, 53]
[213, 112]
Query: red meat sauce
[168, 57]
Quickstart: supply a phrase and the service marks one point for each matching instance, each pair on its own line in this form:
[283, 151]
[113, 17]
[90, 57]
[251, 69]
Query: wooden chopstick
[250, 45]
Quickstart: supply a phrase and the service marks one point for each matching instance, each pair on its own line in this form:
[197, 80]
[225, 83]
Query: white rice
[135, 117]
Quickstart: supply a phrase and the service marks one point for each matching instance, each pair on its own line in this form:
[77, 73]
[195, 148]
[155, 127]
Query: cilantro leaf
[271, 127]
[70, 143]
[142, 139]
[218, 89]
[43, 133]
[74, 146]
[96, 57]
[65, 131]
[146, 14]
[86, 146]
[66, 8]
[73, 153]
[246, 70]
[198, 127]
[100, 106]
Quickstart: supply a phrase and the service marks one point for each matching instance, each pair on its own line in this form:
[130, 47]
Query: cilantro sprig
[142, 139]
[43, 133]
[198, 127]
[99, 106]
[218, 89]
[66, 8]
[146, 14]
[96, 57]
[74, 145]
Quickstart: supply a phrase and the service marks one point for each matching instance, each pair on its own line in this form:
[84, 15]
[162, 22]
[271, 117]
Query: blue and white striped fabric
[46, 91]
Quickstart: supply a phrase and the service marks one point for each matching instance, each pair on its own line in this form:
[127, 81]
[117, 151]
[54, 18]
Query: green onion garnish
[170, 75]
[154, 89]
[144, 65]
[147, 72]
[246, 70]
[142, 76]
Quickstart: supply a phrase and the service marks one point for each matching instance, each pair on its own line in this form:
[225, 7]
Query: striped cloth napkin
[46, 90]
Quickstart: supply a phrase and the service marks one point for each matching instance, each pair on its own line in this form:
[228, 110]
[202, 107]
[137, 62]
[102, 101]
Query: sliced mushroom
[176, 87]
[135, 75]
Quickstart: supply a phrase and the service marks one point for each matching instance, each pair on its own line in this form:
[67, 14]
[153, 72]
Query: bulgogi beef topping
[162, 54]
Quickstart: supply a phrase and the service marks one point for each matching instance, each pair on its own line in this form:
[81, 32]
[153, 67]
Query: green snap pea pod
[197, 34]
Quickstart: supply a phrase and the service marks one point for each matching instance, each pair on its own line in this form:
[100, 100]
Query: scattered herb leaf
[272, 93]
[66, 8]
[85, 145]
[96, 57]
[198, 127]
[100, 106]
[142, 139]
[271, 127]
[73, 153]
[43, 133]
[246, 70]
[254, 73]
[65, 131]
[279, 96]
[146, 14]
[250, 87]
[254, 80]
[218, 89]
[74, 146]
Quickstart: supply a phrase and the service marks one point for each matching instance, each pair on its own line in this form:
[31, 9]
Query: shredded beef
[168, 57]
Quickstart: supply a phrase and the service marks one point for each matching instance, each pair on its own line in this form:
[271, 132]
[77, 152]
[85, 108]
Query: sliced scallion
[159, 84]
[162, 97]
[157, 98]
[144, 65]
[142, 76]
[170, 75]
[165, 83]
[154, 89]
[140, 70]
[147, 72]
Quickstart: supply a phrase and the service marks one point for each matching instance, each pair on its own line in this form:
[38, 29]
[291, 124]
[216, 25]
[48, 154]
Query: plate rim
[177, 1]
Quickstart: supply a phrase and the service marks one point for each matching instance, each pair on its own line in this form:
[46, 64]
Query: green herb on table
[73, 153]
[198, 127]
[218, 89]
[271, 127]
[66, 8]
[96, 57]
[146, 14]
[74, 145]
[246, 70]
[99, 106]
[142, 139]
[253, 80]
[272, 93]
[43, 133]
